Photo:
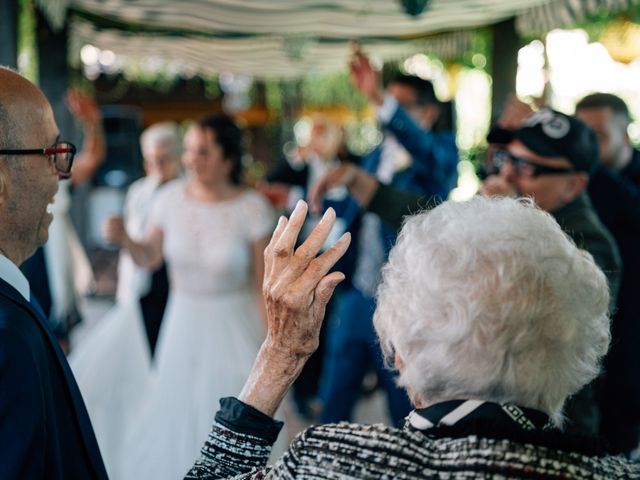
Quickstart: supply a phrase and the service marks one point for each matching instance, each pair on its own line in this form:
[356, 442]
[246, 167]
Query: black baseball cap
[549, 133]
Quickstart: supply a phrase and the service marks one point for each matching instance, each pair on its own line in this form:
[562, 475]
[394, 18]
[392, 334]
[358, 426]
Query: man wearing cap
[615, 192]
[550, 158]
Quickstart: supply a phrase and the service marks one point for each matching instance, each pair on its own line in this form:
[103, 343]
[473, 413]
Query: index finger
[268, 252]
[283, 247]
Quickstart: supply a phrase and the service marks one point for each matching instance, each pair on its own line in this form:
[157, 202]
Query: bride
[211, 232]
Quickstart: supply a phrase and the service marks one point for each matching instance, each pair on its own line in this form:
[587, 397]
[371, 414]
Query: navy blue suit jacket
[45, 432]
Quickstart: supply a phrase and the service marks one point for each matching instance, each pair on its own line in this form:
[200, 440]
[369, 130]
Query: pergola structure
[285, 38]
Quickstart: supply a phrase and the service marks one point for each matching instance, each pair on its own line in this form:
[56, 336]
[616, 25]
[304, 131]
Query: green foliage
[27, 45]
[596, 24]
[314, 91]
[331, 90]
[481, 44]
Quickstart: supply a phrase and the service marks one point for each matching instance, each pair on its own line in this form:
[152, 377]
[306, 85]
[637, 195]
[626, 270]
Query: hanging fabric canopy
[292, 38]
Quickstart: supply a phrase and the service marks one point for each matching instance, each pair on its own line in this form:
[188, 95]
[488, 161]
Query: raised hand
[83, 107]
[364, 77]
[514, 114]
[297, 287]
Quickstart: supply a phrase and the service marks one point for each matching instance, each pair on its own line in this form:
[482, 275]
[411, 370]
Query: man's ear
[578, 184]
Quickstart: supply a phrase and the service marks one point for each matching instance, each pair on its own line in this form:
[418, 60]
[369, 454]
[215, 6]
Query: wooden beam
[504, 64]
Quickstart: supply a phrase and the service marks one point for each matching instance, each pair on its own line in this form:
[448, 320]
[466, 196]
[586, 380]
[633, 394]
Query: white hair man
[493, 318]
[161, 146]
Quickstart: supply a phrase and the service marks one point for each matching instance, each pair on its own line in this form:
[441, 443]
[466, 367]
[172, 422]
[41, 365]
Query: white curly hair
[489, 299]
[163, 133]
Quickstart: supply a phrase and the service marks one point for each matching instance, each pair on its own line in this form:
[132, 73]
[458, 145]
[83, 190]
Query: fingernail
[328, 214]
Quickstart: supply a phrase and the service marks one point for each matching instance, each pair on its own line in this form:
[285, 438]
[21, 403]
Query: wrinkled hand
[342, 175]
[364, 77]
[297, 285]
[113, 230]
[496, 186]
[83, 107]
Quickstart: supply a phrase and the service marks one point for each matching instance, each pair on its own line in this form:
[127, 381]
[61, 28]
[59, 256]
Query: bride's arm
[147, 253]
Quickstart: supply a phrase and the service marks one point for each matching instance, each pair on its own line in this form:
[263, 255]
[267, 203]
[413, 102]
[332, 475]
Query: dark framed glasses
[61, 154]
[526, 167]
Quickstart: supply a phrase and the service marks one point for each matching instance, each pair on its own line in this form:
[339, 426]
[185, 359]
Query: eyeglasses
[60, 154]
[524, 166]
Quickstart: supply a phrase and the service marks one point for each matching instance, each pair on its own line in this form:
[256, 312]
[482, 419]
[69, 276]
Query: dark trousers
[352, 351]
[153, 305]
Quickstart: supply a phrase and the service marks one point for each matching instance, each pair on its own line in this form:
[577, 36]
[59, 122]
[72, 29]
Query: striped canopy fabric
[292, 38]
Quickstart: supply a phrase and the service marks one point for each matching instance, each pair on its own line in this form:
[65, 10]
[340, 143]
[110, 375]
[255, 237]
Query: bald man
[45, 432]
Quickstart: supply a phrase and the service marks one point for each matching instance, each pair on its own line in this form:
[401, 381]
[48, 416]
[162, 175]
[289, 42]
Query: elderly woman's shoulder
[379, 451]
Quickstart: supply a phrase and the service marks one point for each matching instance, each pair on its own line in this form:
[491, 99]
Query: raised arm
[391, 204]
[147, 253]
[94, 150]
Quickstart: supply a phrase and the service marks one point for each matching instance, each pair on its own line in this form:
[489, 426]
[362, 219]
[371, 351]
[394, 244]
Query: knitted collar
[453, 412]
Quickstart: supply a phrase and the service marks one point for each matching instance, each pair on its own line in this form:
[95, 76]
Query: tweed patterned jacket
[345, 450]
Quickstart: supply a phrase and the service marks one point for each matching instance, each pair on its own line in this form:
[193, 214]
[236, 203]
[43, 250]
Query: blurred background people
[161, 146]
[414, 157]
[615, 191]
[289, 181]
[212, 231]
[121, 344]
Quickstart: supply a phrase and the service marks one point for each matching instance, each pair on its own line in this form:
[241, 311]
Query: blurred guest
[212, 231]
[290, 180]
[414, 157]
[161, 149]
[550, 158]
[492, 317]
[615, 191]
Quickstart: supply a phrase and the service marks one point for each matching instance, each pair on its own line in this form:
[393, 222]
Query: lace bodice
[207, 246]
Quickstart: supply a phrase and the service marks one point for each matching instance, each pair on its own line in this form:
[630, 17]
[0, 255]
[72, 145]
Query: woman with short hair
[493, 318]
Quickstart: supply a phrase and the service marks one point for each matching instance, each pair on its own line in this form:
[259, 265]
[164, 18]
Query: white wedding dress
[208, 341]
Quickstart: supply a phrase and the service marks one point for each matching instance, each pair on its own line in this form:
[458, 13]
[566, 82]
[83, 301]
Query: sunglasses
[61, 154]
[524, 166]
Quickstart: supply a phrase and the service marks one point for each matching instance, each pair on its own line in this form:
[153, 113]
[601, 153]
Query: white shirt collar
[14, 277]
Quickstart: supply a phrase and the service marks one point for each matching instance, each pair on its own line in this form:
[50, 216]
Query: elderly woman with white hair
[493, 318]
